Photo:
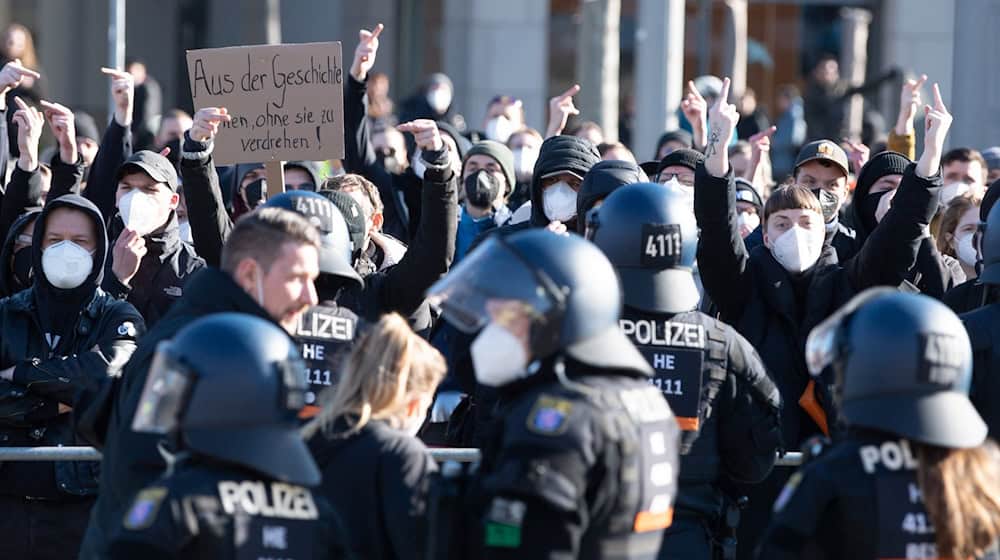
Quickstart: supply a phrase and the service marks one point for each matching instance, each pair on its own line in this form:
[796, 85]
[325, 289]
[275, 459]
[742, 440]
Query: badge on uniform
[787, 491]
[126, 329]
[503, 523]
[144, 509]
[549, 416]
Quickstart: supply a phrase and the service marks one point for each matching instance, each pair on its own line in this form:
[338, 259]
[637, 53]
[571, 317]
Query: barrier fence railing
[440, 454]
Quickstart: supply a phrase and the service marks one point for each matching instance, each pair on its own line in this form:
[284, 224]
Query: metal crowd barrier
[462, 455]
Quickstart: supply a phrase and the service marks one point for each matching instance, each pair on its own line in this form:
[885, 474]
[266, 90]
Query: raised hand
[364, 54]
[11, 76]
[62, 122]
[909, 102]
[128, 252]
[425, 133]
[123, 91]
[857, 154]
[760, 149]
[560, 108]
[695, 110]
[29, 123]
[937, 121]
[206, 123]
[722, 119]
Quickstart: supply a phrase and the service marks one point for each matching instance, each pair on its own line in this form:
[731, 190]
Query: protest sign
[286, 102]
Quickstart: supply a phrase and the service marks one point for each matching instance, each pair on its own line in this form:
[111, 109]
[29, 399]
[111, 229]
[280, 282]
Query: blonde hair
[962, 497]
[388, 365]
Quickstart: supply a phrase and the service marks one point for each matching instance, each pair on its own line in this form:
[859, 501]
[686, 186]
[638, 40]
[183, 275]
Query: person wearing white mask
[525, 145]
[965, 173]
[504, 116]
[364, 441]
[775, 295]
[61, 334]
[562, 163]
[956, 238]
[749, 207]
[150, 262]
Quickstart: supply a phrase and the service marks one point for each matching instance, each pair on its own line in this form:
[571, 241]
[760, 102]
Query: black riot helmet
[903, 364]
[990, 244]
[336, 246]
[649, 234]
[564, 283]
[231, 386]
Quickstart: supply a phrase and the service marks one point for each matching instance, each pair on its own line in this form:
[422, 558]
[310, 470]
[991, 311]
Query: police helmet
[230, 386]
[565, 284]
[903, 364]
[335, 251]
[990, 244]
[649, 234]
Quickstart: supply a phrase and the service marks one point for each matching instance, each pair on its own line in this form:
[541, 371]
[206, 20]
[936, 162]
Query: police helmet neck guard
[649, 233]
[230, 386]
[903, 365]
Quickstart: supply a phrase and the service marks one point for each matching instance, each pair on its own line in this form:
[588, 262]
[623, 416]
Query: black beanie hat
[498, 152]
[354, 215]
[882, 164]
[685, 157]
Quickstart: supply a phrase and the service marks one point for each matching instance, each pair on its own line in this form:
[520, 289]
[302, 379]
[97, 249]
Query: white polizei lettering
[869, 458]
[660, 503]
[682, 335]
[661, 474]
[909, 460]
[893, 455]
[278, 501]
[321, 325]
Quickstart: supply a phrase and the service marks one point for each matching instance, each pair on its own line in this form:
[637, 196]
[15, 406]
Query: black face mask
[481, 189]
[23, 274]
[829, 203]
[255, 193]
[869, 204]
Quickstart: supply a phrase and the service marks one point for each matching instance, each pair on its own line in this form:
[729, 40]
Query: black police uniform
[206, 511]
[726, 405]
[983, 326]
[325, 334]
[583, 457]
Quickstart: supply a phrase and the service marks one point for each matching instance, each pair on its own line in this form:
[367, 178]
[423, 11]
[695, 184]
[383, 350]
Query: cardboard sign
[286, 101]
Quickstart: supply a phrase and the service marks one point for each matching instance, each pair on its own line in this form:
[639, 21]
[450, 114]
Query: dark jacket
[400, 192]
[169, 261]
[983, 326]
[968, 296]
[25, 189]
[387, 471]
[104, 415]
[559, 153]
[9, 285]
[774, 310]
[94, 335]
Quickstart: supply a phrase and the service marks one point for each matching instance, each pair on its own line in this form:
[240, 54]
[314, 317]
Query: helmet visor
[163, 396]
[493, 274]
[823, 346]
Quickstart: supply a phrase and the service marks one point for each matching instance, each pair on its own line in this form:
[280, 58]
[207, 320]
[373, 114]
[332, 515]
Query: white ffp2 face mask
[140, 212]
[559, 202]
[439, 99]
[66, 265]
[498, 357]
[499, 129]
[747, 221]
[966, 251]
[952, 190]
[797, 249]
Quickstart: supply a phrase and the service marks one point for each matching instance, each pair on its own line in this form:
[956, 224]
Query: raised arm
[210, 223]
[560, 108]
[116, 145]
[67, 166]
[722, 256]
[902, 138]
[25, 181]
[10, 77]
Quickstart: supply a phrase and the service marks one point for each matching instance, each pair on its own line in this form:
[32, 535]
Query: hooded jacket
[60, 342]
[603, 179]
[9, 284]
[559, 153]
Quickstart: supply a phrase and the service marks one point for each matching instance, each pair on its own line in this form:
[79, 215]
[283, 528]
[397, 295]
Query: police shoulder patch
[126, 329]
[144, 509]
[549, 416]
[787, 492]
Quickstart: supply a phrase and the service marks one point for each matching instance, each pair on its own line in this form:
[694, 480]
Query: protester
[827, 93]
[753, 118]
[380, 105]
[992, 157]
[524, 145]
[504, 115]
[726, 406]
[915, 475]
[433, 101]
[173, 124]
[671, 141]
[791, 131]
[268, 266]
[965, 173]
[546, 307]
[365, 441]
[589, 130]
[379, 249]
[775, 294]
[615, 151]
[749, 208]
[19, 47]
[955, 237]
[61, 334]
[240, 475]
[146, 112]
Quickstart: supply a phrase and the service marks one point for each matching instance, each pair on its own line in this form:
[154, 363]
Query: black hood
[59, 307]
[559, 153]
[602, 179]
[880, 165]
[310, 167]
[8, 285]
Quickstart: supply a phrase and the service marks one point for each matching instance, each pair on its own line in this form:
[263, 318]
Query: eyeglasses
[685, 179]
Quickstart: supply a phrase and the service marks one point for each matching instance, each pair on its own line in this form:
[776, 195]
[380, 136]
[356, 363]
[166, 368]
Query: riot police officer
[327, 330]
[913, 478]
[583, 460]
[983, 326]
[726, 405]
[225, 392]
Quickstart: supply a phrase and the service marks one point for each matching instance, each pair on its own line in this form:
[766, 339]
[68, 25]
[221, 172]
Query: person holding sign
[915, 477]
[725, 404]
[775, 294]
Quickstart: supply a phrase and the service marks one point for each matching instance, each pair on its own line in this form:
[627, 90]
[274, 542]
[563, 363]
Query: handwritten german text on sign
[286, 101]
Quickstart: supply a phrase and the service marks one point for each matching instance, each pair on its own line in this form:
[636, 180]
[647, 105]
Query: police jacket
[561, 476]
[725, 404]
[983, 326]
[775, 310]
[859, 500]
[59, 342]
[325, 334]
[968, 296]
[104, 415]
[206, 510]
[387, 471]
